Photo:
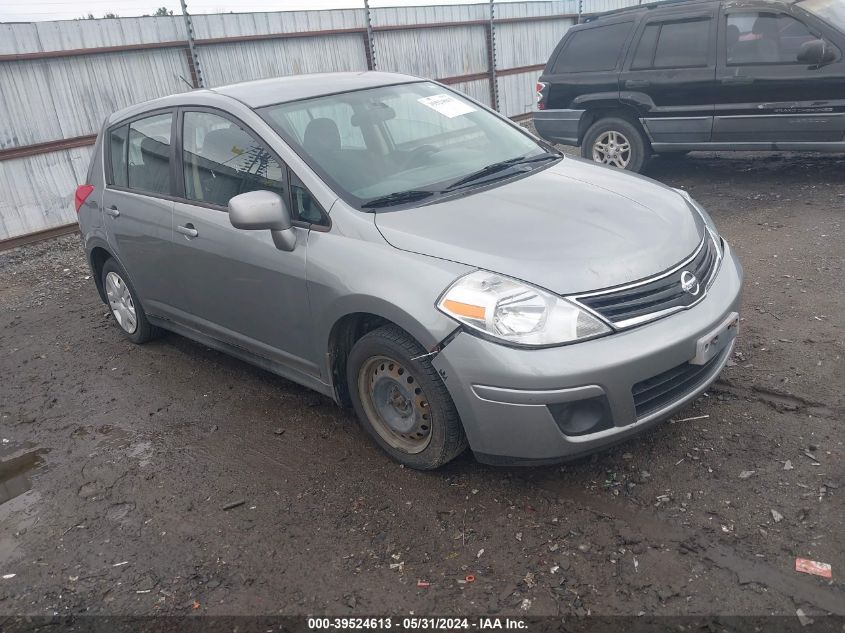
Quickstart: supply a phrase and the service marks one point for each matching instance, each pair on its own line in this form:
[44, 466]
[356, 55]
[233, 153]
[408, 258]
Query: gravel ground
[131, 454]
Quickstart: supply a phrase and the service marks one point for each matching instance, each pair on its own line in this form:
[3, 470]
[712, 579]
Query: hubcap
[612, 148]
[395, 404]
[120, 302]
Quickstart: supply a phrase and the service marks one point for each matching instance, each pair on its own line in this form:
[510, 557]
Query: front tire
[124, 304]
[615, 142]
[401, 401]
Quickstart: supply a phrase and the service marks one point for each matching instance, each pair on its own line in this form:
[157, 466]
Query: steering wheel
[417, 156]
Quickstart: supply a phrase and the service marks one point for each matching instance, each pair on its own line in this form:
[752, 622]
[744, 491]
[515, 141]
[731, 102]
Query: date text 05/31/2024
[417, 623]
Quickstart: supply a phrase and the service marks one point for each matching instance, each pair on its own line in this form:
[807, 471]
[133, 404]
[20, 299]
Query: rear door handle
[112, 211]
[738, 80]
[188, 230]
[637, 83]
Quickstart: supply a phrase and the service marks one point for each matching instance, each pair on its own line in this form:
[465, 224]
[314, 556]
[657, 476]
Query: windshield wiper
[398, 197]
[500, 166]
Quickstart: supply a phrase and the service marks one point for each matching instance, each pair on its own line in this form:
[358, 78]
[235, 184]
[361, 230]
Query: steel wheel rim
[121, 304]
[612, 148]
[395, 404]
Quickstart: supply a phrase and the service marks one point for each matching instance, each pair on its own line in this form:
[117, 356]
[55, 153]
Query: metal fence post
[371, 51]
[491, 53]
[196, 71]
[580, 10]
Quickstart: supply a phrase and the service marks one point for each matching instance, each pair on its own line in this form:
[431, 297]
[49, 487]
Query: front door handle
[112, 211]
[637, 83]
[188, 230]
[738, 80]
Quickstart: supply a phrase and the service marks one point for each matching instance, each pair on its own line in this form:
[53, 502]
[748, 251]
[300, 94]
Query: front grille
[649, 300]
[654, 393]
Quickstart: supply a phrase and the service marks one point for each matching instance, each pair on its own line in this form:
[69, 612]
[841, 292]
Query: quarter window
[593, 50]
[117, 156]
[764, 38]
[148, 154]
[222, 160]
[305, 206]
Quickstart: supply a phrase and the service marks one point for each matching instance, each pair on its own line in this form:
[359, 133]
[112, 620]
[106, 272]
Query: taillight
[541, 86]
[82, 193]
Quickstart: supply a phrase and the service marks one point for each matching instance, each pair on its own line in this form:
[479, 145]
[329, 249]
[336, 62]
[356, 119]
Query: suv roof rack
[654, 4]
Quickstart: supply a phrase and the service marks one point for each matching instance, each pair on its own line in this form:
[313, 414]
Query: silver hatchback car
[408, 252]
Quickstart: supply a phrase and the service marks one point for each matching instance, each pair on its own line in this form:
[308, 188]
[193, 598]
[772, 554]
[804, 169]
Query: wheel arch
[98, 255]
[603, 109]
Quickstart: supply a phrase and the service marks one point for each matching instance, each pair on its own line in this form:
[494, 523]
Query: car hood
[572, 227]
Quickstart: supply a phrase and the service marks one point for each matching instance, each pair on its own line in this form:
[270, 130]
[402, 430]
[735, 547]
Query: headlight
[516, 312]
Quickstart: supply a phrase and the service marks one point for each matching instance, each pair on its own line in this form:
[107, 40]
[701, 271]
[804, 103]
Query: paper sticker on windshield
[447, 105]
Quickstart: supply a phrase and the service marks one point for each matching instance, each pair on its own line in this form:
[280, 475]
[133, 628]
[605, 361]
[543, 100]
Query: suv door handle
[738, 80]
[188, 230]
[112, 211]
[637, 83]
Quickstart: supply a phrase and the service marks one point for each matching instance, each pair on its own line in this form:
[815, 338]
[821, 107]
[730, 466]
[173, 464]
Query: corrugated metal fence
[59, 80]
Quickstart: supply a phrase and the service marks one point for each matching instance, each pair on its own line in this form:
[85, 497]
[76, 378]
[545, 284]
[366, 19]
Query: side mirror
[816, 53]
[263, 210]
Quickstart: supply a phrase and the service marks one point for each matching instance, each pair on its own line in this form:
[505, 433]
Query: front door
[242, 290]
[766, 95]
[138, 208]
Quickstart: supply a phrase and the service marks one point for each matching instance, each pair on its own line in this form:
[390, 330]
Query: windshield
[405, 139]
[831, 11]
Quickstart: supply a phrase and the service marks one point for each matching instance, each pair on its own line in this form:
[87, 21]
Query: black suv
[683, 75]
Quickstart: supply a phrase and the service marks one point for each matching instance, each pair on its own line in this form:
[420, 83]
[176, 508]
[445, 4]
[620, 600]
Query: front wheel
[615, 142]
[401, 401]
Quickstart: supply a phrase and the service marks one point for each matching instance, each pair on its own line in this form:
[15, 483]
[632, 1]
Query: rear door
[241, 288]
[670, 75]
[138, 206]
[766, 95]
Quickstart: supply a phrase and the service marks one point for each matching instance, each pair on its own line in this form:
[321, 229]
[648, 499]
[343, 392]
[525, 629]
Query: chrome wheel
[395, 404]
[120, 302]
[612, 148]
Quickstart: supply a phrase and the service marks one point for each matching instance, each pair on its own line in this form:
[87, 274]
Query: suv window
[148, 154]
[594, 49]
[764, 38]
[221, 160]
[680, 44]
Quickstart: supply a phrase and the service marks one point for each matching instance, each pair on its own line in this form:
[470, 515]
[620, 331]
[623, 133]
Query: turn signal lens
[516, 312]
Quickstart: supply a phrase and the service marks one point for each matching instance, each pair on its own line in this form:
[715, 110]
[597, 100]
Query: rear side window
[222, 160]
[593, 50]
[148, 154]
[683, 44]
[117, 155]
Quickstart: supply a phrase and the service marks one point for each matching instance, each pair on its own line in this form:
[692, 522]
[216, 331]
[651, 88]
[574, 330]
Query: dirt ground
[129, 456]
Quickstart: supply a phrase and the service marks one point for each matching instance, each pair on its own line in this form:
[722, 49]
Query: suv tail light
[82, 193]
[541, 95]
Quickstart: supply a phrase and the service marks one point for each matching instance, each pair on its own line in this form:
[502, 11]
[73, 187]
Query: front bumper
[559, 126]
[503, 393]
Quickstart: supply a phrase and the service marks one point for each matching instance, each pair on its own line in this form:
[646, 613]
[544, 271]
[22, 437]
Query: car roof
[683, 4]
[264, 92]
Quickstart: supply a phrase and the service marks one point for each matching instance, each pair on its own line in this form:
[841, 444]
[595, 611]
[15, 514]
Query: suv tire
[615, 142]
[401, 401]
[124, 304]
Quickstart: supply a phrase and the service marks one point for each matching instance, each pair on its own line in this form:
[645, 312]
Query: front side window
[764, 38]
[221, 160]
[417, 137]
[593, 50]
[682, 44]
[148, 154]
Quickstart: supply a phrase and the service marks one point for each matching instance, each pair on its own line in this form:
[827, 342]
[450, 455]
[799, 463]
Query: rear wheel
[615, 142]
[124, 305]
[401, 401]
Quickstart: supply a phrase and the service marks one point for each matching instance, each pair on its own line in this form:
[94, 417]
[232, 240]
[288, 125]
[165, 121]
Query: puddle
[15, 473]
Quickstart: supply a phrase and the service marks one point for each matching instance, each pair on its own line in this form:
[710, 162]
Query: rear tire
[124, 305]
[615, 142]
[401, 401]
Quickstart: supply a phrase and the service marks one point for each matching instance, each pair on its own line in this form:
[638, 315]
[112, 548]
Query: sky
[32, 10]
